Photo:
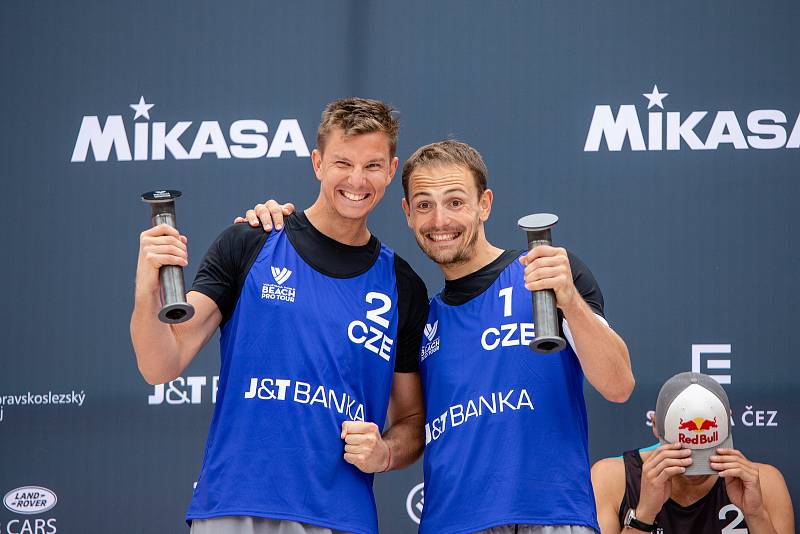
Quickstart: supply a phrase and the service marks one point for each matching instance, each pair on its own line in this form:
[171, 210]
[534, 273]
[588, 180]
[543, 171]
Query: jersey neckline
[461, 290]
[313, 246]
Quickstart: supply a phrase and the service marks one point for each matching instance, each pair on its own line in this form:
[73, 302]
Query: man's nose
[440, 217]
[358, 177]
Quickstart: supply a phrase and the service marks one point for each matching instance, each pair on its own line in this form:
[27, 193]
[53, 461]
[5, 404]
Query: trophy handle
[175, 309]
[545, 314]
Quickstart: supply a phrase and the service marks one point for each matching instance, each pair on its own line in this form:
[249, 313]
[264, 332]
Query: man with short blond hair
[320, 329]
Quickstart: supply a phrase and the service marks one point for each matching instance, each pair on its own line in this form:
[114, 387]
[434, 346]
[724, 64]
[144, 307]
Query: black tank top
[713, 513]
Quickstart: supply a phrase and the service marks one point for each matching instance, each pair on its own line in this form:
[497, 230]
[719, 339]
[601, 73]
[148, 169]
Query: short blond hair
[448, 152]
[358, 116]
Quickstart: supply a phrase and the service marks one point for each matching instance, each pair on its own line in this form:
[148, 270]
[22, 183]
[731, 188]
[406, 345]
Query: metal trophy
[173, 294]
[545, 315]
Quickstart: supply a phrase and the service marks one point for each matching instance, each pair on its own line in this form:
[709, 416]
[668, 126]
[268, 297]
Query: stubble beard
[461, 254]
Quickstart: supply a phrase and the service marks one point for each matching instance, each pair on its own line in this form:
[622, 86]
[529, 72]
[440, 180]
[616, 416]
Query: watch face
[628, 516]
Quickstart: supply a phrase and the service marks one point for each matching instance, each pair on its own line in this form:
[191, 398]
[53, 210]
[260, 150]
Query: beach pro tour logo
[433, 342]
[278, 291]
[30, 500]
[138, 139]
[654, 128]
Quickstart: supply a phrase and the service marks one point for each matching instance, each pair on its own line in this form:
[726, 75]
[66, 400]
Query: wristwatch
[632, 522]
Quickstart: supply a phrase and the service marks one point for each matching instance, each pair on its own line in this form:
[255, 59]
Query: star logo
[142, 109]
[655, 98]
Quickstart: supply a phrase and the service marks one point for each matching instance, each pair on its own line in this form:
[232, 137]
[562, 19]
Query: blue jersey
[506, 428]
[301, 353]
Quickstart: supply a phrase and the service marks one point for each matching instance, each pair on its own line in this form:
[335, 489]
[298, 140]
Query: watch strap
[631, 521]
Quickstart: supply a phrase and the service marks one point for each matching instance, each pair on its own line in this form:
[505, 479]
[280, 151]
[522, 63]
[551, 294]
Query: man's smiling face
[446, 212]
[354, 172]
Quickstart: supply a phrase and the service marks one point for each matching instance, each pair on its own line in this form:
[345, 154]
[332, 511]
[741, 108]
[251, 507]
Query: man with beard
[506, 432]
[304, 386]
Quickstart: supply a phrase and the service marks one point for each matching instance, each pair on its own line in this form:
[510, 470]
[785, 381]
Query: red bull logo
[699, 426]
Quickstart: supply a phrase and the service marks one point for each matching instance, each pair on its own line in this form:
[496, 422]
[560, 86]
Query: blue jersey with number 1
[506, 428]
[302, 353]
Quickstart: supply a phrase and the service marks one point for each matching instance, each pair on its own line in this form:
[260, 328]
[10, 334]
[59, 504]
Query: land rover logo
[30, 500]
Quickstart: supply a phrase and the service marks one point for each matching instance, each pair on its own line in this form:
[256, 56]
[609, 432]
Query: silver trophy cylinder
[545, 314]
[174, 309]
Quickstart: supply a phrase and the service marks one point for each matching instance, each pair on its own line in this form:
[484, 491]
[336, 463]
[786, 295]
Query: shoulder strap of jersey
[633, 482]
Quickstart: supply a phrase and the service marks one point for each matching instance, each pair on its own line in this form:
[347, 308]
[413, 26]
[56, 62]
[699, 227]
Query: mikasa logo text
[145, 141]
[676, 130]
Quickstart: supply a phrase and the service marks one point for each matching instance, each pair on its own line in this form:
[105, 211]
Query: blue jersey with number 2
[302, 353]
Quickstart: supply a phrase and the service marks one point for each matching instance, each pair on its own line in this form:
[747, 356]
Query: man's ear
[653, 420]
[485, 202]
[392, 169]
[316, 162]
[407, 211]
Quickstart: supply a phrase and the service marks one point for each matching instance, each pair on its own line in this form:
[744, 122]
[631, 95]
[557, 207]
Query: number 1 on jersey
[505, 293]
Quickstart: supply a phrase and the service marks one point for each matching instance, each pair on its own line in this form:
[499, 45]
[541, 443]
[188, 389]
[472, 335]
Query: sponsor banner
[185, 390]
[31, 398]
[30, 501]
[415, 501]
[749, 417]
[183, 140]
[636, 129]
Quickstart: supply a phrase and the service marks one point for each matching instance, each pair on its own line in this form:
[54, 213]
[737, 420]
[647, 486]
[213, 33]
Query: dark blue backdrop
[693, 246]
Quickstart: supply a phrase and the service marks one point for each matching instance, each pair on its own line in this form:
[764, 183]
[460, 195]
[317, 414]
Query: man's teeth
[353, 196]
[443, 237]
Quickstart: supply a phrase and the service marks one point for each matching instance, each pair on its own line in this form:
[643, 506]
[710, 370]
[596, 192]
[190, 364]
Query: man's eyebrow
[455, 190]
[448, 192]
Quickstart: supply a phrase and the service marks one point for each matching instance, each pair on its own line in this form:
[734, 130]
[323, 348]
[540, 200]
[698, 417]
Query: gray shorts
[255, 525]
[538, 529]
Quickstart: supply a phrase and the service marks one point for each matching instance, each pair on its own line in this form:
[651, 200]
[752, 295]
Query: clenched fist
[364, 447]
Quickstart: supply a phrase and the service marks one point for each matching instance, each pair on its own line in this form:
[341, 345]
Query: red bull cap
[693, 409]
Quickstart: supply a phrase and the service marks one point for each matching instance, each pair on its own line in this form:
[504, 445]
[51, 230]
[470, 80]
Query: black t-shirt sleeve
[586, 284]
[224, 268]
[412, 308]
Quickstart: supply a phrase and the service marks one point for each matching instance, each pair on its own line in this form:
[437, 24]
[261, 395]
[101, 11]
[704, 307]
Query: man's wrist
[574, 307]
[146, 288]
[646, 516]
[388, 457]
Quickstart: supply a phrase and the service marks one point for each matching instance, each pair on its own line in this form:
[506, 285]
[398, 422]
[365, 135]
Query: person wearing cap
[694, 481]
